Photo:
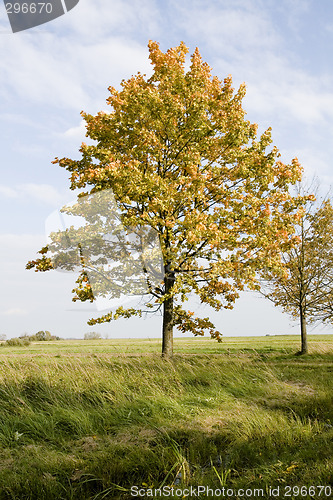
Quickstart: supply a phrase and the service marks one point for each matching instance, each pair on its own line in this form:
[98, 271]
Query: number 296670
[28, 8]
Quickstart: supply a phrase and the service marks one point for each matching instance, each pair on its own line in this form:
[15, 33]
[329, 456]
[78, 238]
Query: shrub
[17, 342]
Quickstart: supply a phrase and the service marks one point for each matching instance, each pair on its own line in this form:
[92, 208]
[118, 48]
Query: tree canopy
[304, 286]
[180, 158]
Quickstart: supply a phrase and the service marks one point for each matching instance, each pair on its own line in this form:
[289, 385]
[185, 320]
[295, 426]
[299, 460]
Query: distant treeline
[26, 339]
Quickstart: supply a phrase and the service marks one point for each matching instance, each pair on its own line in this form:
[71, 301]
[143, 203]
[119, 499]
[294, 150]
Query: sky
[48, 74]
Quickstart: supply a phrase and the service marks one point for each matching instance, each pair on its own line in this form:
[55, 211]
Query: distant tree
[181, 158]
[92, 336]
[304, 288]
[43, 335]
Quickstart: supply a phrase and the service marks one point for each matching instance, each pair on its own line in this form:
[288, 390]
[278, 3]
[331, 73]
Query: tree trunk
[302, 303]
[167, 329]
[304, 340]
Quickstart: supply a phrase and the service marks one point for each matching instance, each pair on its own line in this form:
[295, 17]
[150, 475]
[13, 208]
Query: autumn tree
[181, 159]
[304, 286]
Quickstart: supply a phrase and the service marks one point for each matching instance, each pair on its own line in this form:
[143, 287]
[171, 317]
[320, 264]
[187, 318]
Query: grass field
[91, 419]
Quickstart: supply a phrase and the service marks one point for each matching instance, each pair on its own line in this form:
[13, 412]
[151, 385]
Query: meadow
[92, 419]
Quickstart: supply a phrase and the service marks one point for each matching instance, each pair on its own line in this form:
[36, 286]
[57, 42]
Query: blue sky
[281, 50]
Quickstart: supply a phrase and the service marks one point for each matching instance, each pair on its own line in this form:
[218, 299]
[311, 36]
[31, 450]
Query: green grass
[187, 345]
[89, 419]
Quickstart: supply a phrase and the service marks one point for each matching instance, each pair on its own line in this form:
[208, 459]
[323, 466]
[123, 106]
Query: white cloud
[15, 244]
[14, 311]
[77, 132]
[245, 40]
[329, 27]
[233, 31]
[16, 250]
[291, 95]
[44, 193]
[98, 20]
[18, 119]
[40, 73]
[74, 70]
[8, 192]
[315, 162]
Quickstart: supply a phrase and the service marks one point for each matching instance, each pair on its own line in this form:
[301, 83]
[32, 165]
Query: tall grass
[90, 427]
